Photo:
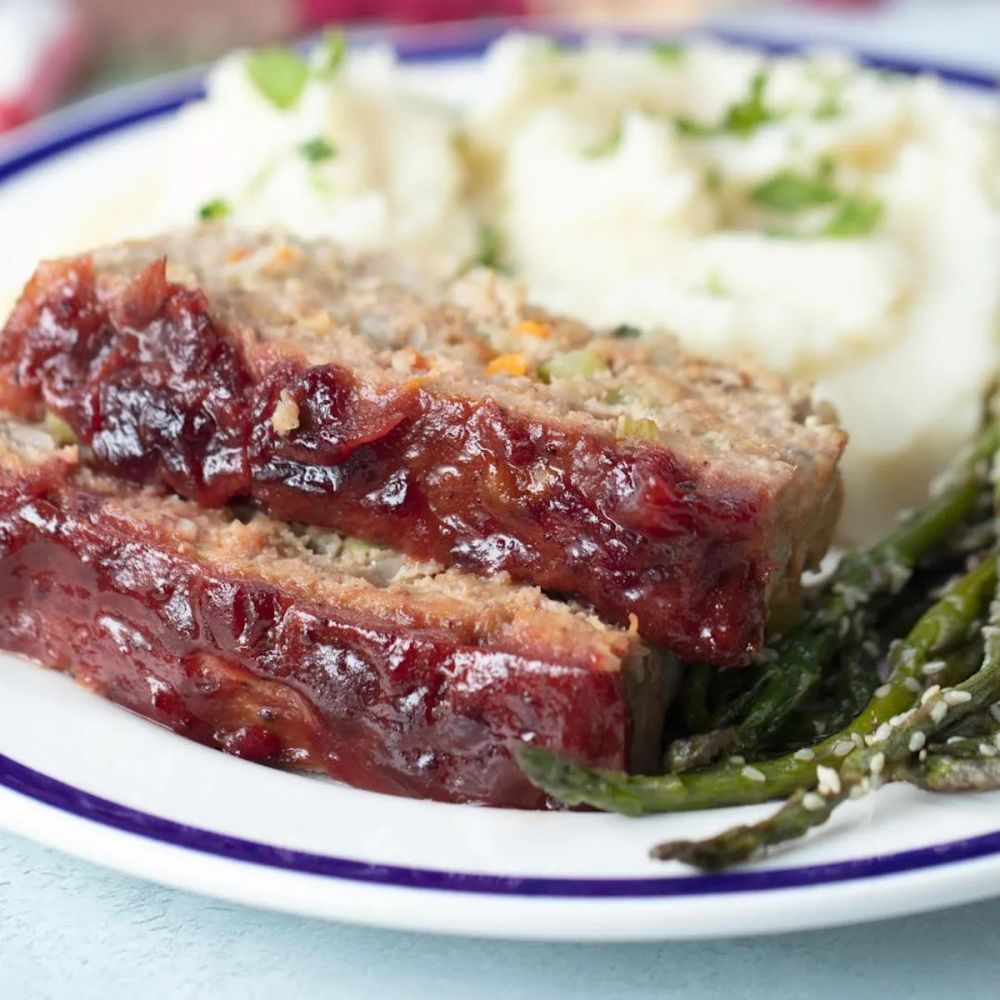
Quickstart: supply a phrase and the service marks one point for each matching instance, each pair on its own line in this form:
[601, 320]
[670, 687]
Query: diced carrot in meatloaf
[445, 418]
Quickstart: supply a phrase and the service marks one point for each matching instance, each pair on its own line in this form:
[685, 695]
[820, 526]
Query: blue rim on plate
[77, 802]
[68, 131]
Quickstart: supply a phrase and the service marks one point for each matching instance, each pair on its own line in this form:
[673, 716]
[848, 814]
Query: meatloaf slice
[301, 648]
[445, 418]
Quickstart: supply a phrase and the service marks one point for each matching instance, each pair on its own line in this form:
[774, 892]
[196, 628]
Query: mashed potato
[358, 157]
[837, 224]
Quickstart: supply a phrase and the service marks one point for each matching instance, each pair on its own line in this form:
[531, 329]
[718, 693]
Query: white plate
[84, 776]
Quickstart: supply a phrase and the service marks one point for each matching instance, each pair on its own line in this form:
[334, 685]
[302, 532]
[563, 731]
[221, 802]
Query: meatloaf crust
[445, 418]
[303, 649]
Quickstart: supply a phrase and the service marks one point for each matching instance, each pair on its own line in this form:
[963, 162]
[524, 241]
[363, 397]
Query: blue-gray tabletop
[69, 929]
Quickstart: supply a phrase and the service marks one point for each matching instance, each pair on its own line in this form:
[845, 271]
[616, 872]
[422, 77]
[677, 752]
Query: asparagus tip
[706, 855]
[572, 784]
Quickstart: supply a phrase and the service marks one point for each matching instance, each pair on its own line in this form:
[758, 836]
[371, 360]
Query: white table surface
[68, 929]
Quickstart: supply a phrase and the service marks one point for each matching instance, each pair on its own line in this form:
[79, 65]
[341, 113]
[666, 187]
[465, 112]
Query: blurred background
[54, 50]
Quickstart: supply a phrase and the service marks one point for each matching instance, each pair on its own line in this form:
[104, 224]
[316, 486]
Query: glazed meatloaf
[301, 648]
[443, 417]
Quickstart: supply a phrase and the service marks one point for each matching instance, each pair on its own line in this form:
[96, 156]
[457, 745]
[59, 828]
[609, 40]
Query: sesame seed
[995, 711]
[922, 756]
[953, 739]
[943, 480]
[828, 781]
[938, 712]
[883, 732]
[753, 774]
[843, 749]
[870, 646]
[813, 802]
[932, 667]
[898, 576]
[286, 414]
[877, 763]
[996, 740]
[881, 692]
[859, 740]
[987, 749]
[917, 741]
[957, 697]
[851, 596]
[912, 684]
[737, 759]
[929, 693]
[804, 754]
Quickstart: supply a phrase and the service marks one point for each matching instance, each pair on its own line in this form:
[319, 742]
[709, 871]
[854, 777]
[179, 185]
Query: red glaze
[235, 662]
[166, 395]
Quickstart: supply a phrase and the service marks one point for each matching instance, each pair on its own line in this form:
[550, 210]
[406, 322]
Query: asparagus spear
[942, 630]
[688, 754]
[795, 664]
[945, 773]
[887, 758]
[974, 726]
[695, 695]
[967, 747]
[856, 677]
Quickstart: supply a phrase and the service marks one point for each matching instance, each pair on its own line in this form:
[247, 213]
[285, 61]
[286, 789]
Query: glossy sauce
[164, 394]
[270, 675]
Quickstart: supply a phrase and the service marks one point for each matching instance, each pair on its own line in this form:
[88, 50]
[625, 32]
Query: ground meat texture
[306, 650]
[445, 418]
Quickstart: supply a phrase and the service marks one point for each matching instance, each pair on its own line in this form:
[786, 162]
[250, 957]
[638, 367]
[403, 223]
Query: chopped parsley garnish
[742, 118]
[831, 91]
[749, 114]
[217, 208]
[608, 145]
[788, 191]
[688, 126]
[857, 215]
[625, 331]
[669, 53]
[279, 74]
[713, 180]
[334, 52]
[714, 285]
[317, 150]
[829, 106]
[490, 249]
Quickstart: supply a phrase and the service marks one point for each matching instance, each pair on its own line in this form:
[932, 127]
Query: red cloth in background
[56, 36]
[322, 11]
